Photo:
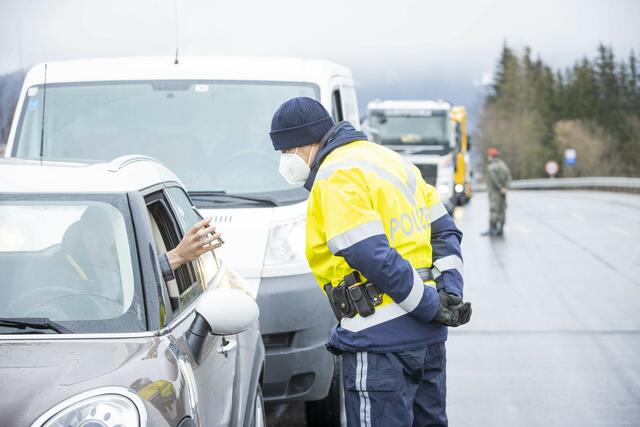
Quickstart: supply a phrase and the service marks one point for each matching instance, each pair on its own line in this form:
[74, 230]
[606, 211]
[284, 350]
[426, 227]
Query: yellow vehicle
[462, 165]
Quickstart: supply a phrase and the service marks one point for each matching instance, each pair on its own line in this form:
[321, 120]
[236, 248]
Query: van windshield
[213, 134]
[406, 127]
[70, 259]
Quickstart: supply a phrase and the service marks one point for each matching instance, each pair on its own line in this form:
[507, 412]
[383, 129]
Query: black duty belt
[352, 297]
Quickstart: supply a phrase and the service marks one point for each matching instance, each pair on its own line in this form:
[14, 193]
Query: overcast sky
[396, 48]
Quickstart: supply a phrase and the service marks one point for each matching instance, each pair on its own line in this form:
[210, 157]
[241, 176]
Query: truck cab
[208, 120]
[424, 133]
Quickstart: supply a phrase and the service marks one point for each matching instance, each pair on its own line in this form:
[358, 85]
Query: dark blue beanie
[298, 122]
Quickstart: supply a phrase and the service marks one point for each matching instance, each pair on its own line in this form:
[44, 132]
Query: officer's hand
[452, 311]
[445, 316]
[449, 301]
[464, 314]
[201, 238]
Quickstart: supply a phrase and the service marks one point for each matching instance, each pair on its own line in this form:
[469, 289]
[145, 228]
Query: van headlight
[286, 243]
[108, 407]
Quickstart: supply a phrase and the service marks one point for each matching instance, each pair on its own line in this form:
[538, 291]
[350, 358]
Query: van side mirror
[468, 142]
[220, 312]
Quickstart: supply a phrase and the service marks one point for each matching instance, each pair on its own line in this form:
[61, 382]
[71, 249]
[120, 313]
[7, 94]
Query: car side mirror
[220, 312]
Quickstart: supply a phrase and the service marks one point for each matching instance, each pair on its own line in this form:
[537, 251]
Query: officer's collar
[340, 134]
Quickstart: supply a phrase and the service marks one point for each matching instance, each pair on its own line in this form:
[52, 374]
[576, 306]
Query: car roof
[188, 68]
[126, 173]
[409, 105]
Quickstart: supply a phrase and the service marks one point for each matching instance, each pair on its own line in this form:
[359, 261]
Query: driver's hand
[201, 238]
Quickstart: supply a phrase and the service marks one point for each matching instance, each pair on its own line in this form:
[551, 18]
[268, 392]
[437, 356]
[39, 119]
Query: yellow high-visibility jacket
[369, 210]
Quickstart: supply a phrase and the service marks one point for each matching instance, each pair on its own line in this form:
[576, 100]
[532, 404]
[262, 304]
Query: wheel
[330, 411]
[258, 417]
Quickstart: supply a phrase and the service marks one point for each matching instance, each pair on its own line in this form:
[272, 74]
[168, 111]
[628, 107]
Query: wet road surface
[555, 334]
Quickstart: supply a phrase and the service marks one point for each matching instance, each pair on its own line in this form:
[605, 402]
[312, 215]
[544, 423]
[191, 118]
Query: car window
[71, 260]
[167, 235]
[188, 216]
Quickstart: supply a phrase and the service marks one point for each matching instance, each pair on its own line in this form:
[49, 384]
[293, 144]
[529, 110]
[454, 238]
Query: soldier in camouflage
[498, 180]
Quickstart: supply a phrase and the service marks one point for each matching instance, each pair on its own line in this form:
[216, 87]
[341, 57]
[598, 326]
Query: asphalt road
[555, 334]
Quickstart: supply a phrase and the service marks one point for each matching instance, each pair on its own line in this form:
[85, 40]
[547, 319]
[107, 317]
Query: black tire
[330, 411]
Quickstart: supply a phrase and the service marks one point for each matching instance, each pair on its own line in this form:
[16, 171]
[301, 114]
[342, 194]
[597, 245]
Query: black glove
[452, 311]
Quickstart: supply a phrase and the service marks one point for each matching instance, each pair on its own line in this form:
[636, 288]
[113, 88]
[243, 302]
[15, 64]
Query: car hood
[37, 374]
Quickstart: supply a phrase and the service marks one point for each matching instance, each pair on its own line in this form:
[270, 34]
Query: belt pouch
[361, 301]
[329, 291]
[372, 293]
[341, 301]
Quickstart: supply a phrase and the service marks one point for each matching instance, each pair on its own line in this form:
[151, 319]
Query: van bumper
[296, 321]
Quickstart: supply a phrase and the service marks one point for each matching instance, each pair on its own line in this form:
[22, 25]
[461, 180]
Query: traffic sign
[551, 168]
[570, 157]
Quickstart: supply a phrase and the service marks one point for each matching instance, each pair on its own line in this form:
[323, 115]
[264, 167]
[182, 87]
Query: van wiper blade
[34, 323]
[207, 196]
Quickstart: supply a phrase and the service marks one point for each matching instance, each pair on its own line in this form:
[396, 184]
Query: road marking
[577, 216]
[620, 231]
[519, 228]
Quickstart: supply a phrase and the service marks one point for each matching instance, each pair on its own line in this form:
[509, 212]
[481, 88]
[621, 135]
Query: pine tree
[633, 83]
[583, 94]
[595, 101]
[503, 73]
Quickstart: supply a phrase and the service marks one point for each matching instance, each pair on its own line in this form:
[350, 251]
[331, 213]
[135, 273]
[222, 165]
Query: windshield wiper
[34, 323]
[206, 196]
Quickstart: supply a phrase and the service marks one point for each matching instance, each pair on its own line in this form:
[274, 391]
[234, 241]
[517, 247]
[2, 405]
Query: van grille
[429, 173]
[221, 219]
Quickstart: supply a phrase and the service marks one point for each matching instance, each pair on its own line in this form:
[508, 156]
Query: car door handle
[227, 346]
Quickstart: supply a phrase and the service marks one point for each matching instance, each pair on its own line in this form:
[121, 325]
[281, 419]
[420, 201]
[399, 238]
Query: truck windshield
[406, 128]
[69, 259]
[213, 134]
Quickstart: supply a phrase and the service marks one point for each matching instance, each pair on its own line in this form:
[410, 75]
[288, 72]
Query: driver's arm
[198, 240]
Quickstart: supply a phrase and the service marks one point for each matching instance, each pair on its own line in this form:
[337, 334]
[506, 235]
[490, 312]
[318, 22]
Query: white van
[208, 120]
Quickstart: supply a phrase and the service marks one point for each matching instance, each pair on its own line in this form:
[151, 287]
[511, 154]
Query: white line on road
[519, 228]
[620, 231]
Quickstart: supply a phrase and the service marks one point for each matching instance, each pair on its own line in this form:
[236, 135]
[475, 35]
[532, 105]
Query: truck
[462, 167]
[423, 131]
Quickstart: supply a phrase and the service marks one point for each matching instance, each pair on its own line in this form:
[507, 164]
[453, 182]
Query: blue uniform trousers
[402, 389]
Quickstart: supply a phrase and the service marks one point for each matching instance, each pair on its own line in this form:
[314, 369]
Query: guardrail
[602, 183]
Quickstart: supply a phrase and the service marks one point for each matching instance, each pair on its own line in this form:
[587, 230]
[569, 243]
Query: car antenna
[44, 104]
[175, 24]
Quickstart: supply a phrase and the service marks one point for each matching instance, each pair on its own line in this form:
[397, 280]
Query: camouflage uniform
[498, 176]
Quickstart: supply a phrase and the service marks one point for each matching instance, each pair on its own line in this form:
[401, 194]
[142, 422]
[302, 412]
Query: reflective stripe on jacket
[370, 210]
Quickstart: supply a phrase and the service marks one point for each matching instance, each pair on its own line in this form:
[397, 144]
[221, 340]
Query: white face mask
[293, 168]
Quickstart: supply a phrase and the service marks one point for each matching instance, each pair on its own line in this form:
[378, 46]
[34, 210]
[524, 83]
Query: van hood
[245, 232]
[37, 374]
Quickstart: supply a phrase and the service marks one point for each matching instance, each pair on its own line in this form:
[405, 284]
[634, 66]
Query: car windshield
[428, 128]
[70, 259]
[213, 134]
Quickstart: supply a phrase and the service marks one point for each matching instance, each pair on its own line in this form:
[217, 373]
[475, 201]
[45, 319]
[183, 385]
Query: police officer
[387, 254]
[498, 180]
